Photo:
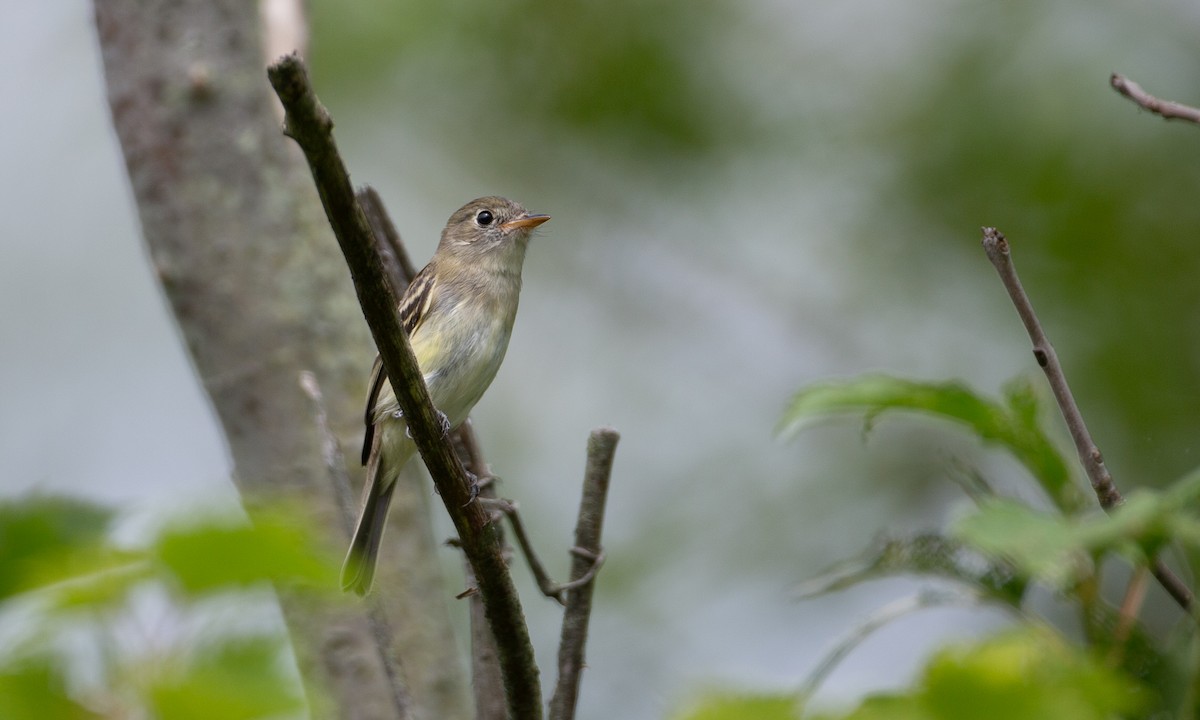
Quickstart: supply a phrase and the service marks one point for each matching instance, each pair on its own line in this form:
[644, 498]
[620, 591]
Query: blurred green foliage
[1055, 549]
[1014, 424]
[34, 687]
[1004, 548]
[741, 707]
[1014, 125]
[633, 78]
[68, 587]
[274, 549]
[236, 678]
[43, 537]
[1029, 673]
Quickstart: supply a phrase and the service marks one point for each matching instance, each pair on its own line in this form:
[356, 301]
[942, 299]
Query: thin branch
[310, 125]
[1131, 605]
[487, 686]
[472, 456]
[469, 451]
[335, 465]
[548, 587]
[1166, 109]
[331, 452]
[396, 262]
[602, 446]
[997, 249]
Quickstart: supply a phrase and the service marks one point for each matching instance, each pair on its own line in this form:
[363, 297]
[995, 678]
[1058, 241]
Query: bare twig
[548, 587]
[396, 262]
[487, 685]
[331, 451]
[1166, 109]
[602, 445]
[310, 125]
[997, 249]
[468, 447]
[335, 464]
[1131, 604]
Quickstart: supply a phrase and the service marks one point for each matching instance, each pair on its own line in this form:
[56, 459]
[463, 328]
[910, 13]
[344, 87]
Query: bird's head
[489, 227]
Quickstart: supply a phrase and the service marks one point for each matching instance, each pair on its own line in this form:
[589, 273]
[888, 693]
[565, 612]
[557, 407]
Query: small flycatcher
[458, 313]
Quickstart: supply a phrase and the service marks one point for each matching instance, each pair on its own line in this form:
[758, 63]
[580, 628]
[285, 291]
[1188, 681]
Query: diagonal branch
[996, 247]
[309, 124]
[602, 445]
[397, 264]
[1166, 109]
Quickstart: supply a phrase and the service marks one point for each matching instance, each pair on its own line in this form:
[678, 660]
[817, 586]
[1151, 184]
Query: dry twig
[588, 554]
[997, 249]
[1166, 109]
[1131, 605]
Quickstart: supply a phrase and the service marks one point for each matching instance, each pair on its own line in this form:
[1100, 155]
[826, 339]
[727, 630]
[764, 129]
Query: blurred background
[747, 197]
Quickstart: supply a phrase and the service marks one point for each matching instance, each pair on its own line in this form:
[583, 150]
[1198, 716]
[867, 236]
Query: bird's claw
[472, 486]
[597, 560]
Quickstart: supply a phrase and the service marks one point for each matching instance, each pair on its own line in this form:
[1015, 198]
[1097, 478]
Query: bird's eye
[484, 218]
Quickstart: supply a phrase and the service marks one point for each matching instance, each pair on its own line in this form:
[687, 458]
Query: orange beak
[528, 222]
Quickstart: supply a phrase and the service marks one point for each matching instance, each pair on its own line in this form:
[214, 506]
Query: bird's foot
[597, 560]
[472, 486]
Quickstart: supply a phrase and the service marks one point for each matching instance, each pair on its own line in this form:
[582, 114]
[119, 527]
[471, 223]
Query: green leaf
[1013, 425]
[107, 588]
[1039, 545]
[44, 539]
[1056, 549]
[220, 554]
[743, 707]
[238, 679]
[1028, 673]
[35, 688]
[887, 707]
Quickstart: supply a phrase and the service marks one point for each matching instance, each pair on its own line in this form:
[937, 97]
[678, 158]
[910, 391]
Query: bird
[458, 313]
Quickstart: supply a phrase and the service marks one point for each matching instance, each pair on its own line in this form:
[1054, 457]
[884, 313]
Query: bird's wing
[377, 378]
[414, 307]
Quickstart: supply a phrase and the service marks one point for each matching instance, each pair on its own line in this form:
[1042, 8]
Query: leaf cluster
[74, 596]
[996, 554]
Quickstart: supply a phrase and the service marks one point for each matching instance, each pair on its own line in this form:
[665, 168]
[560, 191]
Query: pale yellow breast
[459, 348]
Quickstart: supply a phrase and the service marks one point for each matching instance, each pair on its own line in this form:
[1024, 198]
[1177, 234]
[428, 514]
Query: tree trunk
[260, 292]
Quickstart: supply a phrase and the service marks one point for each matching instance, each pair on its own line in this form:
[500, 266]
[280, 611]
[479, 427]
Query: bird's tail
[358, 572]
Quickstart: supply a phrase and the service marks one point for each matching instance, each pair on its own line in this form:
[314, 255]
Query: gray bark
[260, 292]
